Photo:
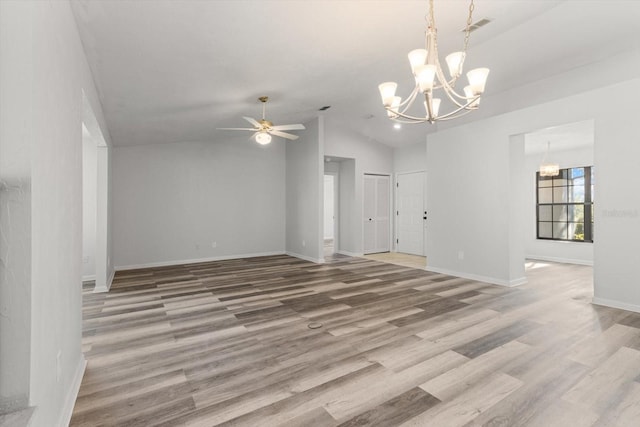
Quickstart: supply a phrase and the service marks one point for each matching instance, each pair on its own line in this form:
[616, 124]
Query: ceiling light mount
[429, 77]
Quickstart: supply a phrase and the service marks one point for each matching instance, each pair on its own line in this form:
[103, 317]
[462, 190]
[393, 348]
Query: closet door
[376, 226]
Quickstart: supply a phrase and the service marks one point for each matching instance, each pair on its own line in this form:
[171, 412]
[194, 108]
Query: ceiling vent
[477, 24]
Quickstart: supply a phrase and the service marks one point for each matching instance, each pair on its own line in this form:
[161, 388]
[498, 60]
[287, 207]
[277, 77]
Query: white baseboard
[494, 281]
[560, 260]
[70, 401]
[616, 304]
[107, 286]
[89, 278]
[194, 261]
[306, 258]
[347, 253]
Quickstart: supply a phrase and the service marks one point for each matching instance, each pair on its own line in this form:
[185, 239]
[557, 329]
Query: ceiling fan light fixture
[263, 138]
[264, 129]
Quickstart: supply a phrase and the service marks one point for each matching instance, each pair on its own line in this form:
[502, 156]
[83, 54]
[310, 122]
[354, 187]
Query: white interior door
[376, 195]
[410, 213]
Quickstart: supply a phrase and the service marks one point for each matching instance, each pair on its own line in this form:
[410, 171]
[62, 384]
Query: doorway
[89, 204]
[410, 213]
[330, 232]
[96, 246]
[376, 209]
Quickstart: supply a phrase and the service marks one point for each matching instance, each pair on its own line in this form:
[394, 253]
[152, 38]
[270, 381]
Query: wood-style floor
[228, 343]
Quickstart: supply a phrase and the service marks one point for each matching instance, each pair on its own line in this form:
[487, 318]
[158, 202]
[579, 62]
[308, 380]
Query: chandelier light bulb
[435, 107]
[425, 75]
[395, 104]
[387, 92]
[477, 80]
[417, 57]
[263, 138]
[468, 92]
[454, 62]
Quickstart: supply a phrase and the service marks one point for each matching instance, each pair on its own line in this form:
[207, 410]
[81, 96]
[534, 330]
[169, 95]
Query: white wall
[304, 182]
[172, 201]
[468, 201]
[15, 207]
[350, 222]
[577, 253]
[89, 206]
[617, 207]
[369, 157]
[411, 158]
[44, 72]
[471, 213]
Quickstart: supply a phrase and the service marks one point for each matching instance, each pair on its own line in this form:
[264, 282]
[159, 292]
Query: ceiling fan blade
[253, 122]
[253, 129]
[289, 127]
[284, 135]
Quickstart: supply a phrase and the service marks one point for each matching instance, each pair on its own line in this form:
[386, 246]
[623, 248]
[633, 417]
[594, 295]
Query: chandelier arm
[407, 117]
[411, 122]
[459, 112]
[449, 116]
[448, 88]
[409, 101]
[455, 101]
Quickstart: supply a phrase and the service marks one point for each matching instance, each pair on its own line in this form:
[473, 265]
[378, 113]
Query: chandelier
[547, 168]
[429, 77]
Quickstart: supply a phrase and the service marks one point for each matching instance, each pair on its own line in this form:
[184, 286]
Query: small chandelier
[430, 77]
[546, 168]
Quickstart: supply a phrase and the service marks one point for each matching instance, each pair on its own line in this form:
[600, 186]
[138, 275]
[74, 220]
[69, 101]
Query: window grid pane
[565, 205]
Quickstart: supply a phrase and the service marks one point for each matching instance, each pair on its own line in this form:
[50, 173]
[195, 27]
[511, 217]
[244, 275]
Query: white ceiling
[170, 71]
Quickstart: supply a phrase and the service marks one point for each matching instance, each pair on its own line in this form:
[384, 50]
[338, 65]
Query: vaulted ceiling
[170, 71]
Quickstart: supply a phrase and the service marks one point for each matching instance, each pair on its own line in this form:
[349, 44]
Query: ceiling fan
[264, 128]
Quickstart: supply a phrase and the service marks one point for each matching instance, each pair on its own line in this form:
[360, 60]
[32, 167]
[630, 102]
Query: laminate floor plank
[230, 343]
[595, 390]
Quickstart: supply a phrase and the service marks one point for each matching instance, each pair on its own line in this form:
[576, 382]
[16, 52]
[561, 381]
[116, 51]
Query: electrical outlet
[214, 244]
[85, 260]
[197, 247]
[304, 244]
[460, 255]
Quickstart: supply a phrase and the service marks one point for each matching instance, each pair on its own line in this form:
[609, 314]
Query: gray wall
[172, 201]
[305, 172]
[42, 77]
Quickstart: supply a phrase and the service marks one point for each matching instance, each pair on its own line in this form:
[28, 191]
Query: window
[565, 205]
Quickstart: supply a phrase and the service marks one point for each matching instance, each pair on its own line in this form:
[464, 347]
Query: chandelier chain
[467, 31]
